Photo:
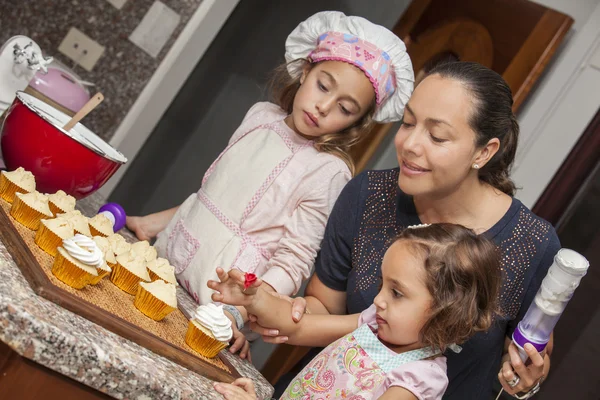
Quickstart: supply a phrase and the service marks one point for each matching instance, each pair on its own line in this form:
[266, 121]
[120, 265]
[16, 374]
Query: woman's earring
[476, 166]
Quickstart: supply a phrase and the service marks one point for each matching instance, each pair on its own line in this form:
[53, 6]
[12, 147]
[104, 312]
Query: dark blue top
[371, 210]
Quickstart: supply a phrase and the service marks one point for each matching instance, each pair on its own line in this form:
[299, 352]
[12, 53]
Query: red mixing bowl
[78, 161]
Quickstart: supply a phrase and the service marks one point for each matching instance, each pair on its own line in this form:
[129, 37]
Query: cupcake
[17, 181]
[118, 244]
[79, 222]
[103, 270]
[160, 269]
[100, 225]
[209, 331]
[156, 299]
[30, 208]
[77, 261]
[51, 234]
[109, 254]
[60, 202]
[128, 272]
[143, 249]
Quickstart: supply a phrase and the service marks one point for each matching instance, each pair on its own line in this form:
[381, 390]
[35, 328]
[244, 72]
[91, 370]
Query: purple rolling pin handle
[118, 212]
[520, 340]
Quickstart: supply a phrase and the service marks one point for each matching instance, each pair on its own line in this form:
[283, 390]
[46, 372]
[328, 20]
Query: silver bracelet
[237, 315]
[530, 393]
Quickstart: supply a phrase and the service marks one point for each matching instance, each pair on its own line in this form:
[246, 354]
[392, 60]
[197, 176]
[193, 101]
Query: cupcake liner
[201, 339]
[155, 277]
[111, 265]
[101, 274]
[96, 232]
[47, 240]
[150, 305]
[69, 273]
[26, 215]
[124, 279]
[55, 209]
[8, 189]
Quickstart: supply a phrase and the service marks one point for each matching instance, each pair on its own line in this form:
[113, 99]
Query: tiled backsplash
[122, 71]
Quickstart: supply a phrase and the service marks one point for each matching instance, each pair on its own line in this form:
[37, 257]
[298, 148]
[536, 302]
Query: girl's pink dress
[359, 367]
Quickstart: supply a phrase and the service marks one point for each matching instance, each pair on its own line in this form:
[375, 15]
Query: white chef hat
[331, 35]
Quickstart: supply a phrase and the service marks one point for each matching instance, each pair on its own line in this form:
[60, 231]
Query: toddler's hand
[240, 389]
[137, 226]
[231, 288]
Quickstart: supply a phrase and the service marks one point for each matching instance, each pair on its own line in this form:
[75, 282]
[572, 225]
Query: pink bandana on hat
[374, 62]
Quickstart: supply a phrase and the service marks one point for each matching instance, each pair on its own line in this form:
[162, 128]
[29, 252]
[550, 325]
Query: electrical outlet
[117, 3]
[81, 48]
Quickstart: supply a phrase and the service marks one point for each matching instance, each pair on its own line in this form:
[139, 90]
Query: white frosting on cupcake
[84, 250]
[212, 317]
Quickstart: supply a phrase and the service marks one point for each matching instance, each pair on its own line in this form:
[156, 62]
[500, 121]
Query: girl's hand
[272, 335]
[528, 376]
[138, 226]
[231, 288]
[240, 389]
[238, 340]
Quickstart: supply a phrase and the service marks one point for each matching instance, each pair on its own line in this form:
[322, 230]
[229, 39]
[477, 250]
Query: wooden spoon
[85, 110]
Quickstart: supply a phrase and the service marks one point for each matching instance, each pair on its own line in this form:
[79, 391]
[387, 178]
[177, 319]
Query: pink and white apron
[208, 229]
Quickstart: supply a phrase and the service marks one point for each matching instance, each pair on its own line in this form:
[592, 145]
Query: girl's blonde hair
[462, 274]
[284, 85]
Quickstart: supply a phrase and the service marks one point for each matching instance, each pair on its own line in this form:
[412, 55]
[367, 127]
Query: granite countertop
[76, 347]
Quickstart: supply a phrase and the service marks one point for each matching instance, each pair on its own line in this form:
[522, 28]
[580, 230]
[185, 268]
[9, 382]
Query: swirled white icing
[84, 249]
[212, 317]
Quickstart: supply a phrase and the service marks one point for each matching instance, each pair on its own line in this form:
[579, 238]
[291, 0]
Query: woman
[455, 149]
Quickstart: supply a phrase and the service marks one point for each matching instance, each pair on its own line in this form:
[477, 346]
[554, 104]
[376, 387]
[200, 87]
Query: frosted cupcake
[60, 202]
[109, 254]
[161, 269]
[156, 299]
[118, 244]
[77, 261]
[143, 249]
[79, 222]
[209, 331]
[100, 226]
[17, 181]
[30, 208]
[51, 234]
[129, 272]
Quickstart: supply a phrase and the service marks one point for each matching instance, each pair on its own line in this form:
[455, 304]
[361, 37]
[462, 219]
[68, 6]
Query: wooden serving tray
[107, 305]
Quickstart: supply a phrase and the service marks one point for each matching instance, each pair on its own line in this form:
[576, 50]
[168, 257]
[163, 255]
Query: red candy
[249, 279]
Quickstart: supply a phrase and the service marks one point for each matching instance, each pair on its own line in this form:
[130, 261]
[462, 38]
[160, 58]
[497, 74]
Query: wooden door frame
[571, 176]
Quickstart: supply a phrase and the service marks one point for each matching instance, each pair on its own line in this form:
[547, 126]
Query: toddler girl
[264, 202]
[439, 287]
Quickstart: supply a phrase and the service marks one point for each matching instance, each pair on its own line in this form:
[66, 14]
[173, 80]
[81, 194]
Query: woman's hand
[272, 335]
[240, 389]
[526, 376]
[138, 226]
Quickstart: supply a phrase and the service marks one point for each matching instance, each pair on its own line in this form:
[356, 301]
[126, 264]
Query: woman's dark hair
[462, 274]
[492, 117]
[284, 85]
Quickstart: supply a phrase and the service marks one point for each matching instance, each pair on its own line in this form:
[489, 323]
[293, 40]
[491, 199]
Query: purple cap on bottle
[520, 339]
[118, 212]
